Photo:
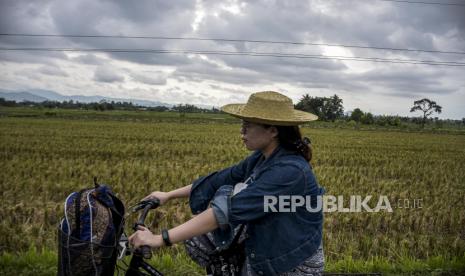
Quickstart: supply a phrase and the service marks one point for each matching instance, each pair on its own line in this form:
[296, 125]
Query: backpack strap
[77, 213]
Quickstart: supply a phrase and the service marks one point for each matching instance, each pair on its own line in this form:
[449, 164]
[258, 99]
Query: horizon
[203, 106]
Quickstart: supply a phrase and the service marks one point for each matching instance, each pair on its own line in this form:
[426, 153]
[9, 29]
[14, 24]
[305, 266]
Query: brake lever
[154, 203]
[140, 206]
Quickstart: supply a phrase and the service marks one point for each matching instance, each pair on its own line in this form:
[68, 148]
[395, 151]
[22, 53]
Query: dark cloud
[105, 74]
[89, 59]
[32, 57]
[23, 16]
[405, 82]
[348, 22]
[144, 18]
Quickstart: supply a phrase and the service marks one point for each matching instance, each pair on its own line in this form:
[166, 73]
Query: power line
[233, 40]
[425, 3]
[255, 54]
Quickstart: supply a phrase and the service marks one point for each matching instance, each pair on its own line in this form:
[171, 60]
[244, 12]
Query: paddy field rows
[44, 159]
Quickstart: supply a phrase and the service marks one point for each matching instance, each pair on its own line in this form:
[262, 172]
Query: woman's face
[257, 136]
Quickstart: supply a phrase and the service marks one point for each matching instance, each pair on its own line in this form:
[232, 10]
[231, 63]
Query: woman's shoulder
[292, 160]
[285, 167]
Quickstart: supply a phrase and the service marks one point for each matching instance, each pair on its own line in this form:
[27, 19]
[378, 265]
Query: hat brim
[297, 117]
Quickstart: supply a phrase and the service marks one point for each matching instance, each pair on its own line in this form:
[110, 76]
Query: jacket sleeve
[204, 188]
[248, 204]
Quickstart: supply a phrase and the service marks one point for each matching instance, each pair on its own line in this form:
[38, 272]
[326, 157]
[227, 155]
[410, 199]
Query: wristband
[166, 237]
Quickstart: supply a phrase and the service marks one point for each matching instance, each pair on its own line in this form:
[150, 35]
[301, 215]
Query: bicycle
[137, 265]
[221, 265]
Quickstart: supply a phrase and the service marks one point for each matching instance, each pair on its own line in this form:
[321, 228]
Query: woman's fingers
[132, 240]
[141, 237]
[142, 228]
[152, 196]
[162, 196]
[135, 239]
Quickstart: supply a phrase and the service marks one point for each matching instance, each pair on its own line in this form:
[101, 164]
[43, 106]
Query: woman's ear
[274, 131]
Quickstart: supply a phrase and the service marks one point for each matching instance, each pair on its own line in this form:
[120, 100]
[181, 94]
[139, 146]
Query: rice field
[43, 159]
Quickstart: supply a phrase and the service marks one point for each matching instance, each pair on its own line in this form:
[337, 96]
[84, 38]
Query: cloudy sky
[382, 88]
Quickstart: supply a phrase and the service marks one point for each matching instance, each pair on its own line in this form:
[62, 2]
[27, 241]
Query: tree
[367, 118]
[332, 108]
[327, 109]
[311, 104]
[159, 108]
[426, 106]
[356, 115]
[4, 102]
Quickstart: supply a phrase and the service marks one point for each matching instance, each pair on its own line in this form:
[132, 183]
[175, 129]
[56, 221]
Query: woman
[276, 243]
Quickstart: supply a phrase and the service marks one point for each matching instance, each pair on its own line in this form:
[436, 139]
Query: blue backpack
[89, 232]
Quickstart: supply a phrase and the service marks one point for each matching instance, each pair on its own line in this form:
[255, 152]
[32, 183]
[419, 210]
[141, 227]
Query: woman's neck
[269, 149]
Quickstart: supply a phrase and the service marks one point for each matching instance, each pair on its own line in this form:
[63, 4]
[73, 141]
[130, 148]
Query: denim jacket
[276, 241]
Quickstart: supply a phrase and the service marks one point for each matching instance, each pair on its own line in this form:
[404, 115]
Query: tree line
[332, 109]
[328, 109]
[106, 105]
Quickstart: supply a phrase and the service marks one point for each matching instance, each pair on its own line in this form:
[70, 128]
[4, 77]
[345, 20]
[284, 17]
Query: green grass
[437, 265]
[44, 262]
[115, 115]
[30, 262]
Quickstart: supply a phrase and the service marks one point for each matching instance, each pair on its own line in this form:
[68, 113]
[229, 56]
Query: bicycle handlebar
[147, 205]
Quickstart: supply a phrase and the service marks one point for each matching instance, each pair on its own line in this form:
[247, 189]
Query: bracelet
[166, 237]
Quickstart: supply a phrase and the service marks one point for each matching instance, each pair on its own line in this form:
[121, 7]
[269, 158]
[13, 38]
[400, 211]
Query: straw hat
[271, 108]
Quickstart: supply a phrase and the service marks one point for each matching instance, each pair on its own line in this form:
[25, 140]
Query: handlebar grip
[146, 251]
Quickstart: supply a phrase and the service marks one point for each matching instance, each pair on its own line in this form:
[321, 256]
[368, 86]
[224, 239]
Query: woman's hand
[143, 236]
[162, 196]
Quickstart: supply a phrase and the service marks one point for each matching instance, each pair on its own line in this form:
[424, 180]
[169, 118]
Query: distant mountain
[21, 97]
[44, 95]
[50, 95]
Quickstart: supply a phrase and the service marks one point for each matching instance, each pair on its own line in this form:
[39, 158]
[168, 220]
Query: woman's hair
[290, 138]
